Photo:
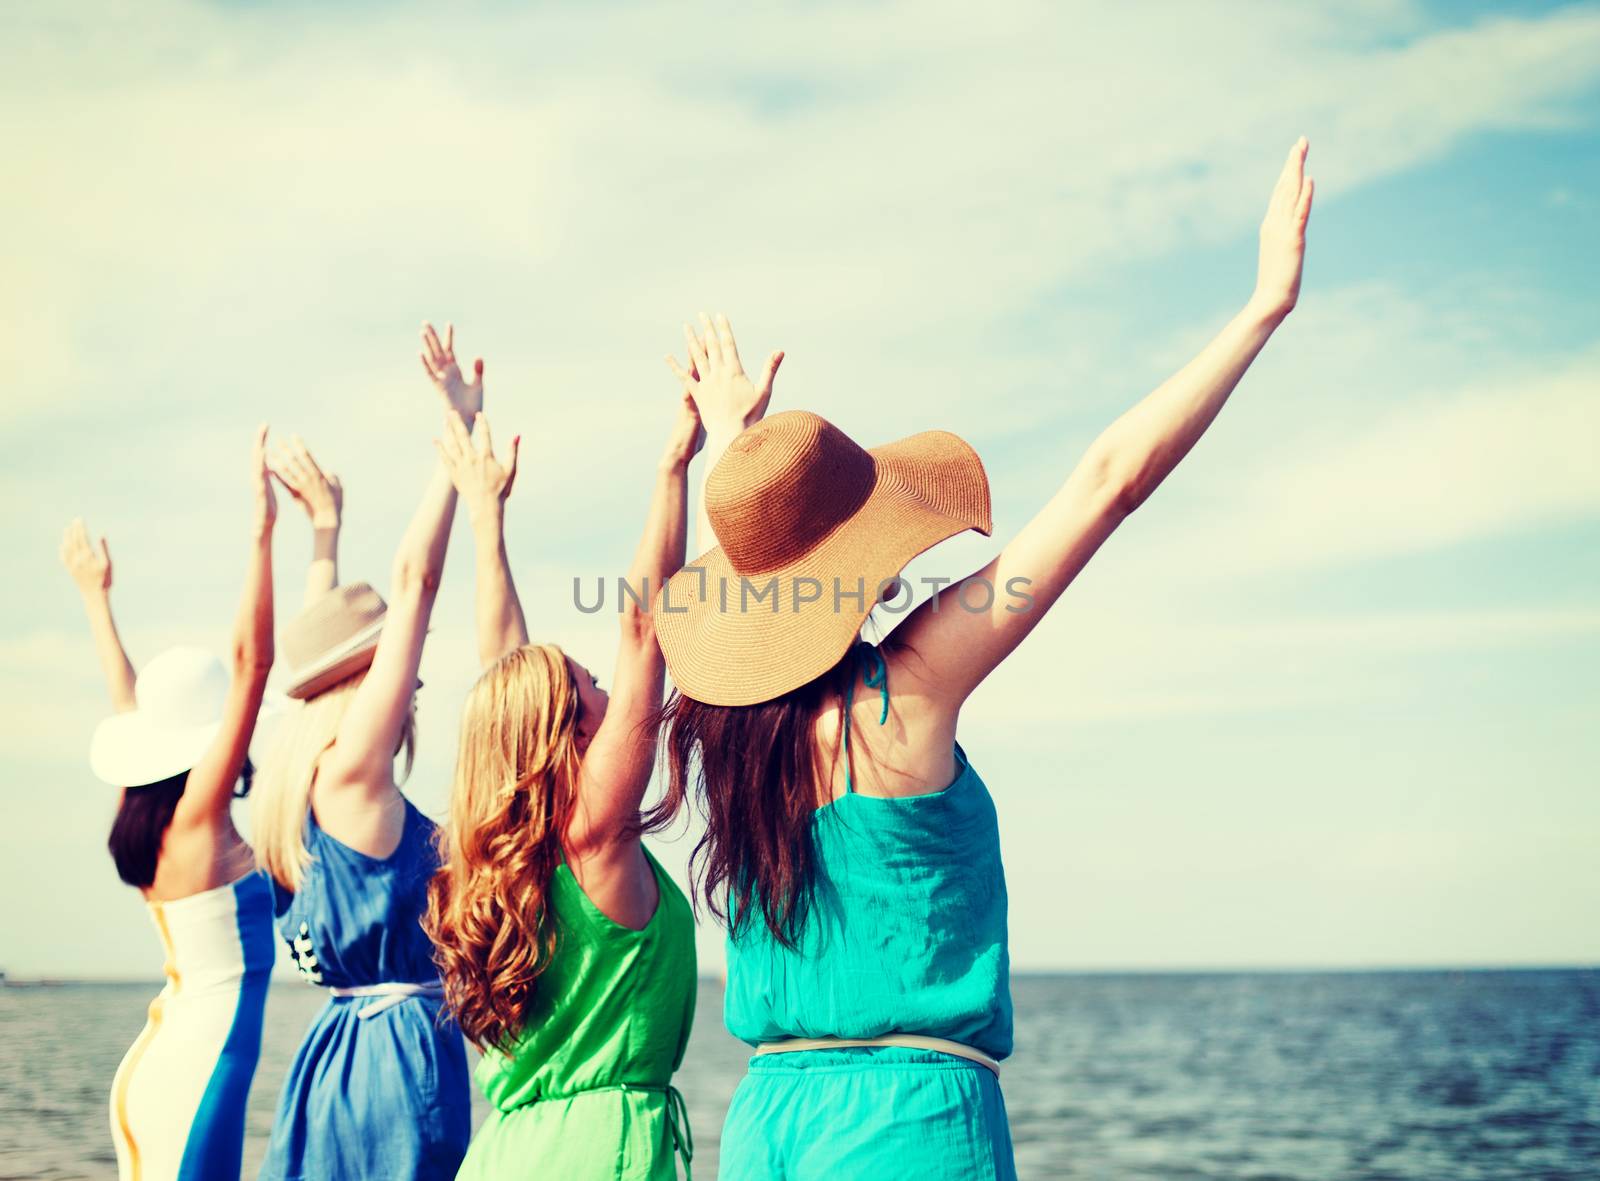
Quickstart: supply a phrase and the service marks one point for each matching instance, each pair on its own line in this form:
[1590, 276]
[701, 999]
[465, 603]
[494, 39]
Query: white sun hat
[181, 696]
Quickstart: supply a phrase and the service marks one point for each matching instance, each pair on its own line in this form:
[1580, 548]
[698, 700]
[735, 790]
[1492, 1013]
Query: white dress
[178, 1100]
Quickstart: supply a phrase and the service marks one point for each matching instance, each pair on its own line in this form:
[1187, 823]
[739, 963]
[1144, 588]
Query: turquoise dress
[906, 934]
[378, 1090]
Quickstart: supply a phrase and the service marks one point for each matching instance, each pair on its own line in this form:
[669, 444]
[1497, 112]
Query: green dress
[587, 1092]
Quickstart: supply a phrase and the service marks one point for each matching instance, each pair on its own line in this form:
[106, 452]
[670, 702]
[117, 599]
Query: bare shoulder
[618, 879]
[902, 737]
[367, 817]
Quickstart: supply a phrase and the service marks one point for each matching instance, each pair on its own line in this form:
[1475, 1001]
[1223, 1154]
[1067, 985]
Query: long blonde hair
[280, 797]
[515, 785]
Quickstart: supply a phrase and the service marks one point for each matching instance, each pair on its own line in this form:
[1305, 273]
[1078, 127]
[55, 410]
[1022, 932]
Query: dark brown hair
[142, 821]
[754, 771]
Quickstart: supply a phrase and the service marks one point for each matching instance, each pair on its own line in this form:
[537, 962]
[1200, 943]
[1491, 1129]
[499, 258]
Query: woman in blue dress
[378, 1090]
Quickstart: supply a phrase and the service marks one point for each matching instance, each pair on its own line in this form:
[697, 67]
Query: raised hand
[89, 565]
[726, 399]
[261, 479]
[1283, 235]
[439, 361]
[319, 493]
[688, 433]
[481, 480]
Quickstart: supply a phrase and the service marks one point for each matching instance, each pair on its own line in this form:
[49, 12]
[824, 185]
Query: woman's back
[379, 1086]
[587, 1091]
[356, 919]
[614, 1006]
[906, 931]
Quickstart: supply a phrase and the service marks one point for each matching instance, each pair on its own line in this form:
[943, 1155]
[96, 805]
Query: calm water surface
[1396, 1076]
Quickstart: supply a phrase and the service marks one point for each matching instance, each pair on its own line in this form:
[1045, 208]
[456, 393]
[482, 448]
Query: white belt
[911, 1041]
[389, 994]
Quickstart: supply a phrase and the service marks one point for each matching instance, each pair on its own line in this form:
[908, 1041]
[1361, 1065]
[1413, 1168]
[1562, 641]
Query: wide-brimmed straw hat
[807, 518]
[181, 696]
[331, 640]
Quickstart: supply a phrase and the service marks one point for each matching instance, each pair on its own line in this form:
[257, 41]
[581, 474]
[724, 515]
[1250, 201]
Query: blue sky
[1329, 699]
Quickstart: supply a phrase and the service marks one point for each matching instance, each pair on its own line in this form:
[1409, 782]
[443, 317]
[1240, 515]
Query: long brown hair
[754, 771]
[515, 783]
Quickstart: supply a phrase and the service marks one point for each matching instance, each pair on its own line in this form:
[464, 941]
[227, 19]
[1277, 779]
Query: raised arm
[616, 766]
[322, 496]
[90, 567]
[209, 791]
[943, 650]
[726, 400]
[361, 761]
[483, 483]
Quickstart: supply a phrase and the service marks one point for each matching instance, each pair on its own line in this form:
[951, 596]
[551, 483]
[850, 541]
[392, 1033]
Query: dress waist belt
[677, 1112]
[389, 994]
[910, 1041]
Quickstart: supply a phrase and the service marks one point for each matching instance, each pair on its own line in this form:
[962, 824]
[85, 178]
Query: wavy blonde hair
[515, 784]
[280, 797]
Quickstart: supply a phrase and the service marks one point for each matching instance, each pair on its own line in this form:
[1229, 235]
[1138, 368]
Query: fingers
[435, 352]
[451, 461]
[427, 367]
[477, 371]
[697, 351]
[678, 371]
[511, 471]
[713, 346]
[449, 341]
[460, 441]
[69, 539]
[289, 470]
[1286, 191]
[105, 551]
[730, 352]
[768, 373]
[303, 456]
[1302, 210]
[485, 440]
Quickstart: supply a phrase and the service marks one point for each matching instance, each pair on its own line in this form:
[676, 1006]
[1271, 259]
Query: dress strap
[876, 677]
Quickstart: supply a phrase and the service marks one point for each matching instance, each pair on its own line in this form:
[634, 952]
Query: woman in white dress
[176, 747]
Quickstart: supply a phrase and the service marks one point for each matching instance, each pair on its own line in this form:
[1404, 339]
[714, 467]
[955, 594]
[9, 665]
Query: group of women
[850, 848]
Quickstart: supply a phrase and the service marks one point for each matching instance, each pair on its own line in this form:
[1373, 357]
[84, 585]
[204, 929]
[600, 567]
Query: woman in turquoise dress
[851, 848]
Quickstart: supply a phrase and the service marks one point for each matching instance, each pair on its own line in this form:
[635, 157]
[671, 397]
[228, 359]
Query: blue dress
[906, 934]
[379, 1089]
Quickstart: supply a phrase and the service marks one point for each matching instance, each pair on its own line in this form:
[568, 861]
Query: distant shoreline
[50, 982]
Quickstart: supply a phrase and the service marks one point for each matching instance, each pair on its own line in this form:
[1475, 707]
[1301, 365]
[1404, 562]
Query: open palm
[1283, 234]
[439, 361]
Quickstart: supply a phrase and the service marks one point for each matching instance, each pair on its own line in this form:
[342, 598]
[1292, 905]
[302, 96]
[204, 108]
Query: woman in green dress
[567, 953]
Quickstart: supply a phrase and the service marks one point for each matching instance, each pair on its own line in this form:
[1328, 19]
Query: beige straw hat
[332, 639]
[813, 526]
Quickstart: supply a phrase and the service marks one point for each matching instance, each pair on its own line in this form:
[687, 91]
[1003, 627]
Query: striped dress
[177, 1105]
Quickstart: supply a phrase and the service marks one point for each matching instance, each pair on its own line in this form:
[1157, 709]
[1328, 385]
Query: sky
[1329, 700]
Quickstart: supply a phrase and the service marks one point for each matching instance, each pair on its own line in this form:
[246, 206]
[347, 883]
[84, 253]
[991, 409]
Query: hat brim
[340, 664]
[724, 645]
[128, 751]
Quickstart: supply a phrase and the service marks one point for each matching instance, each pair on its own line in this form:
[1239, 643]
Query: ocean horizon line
[283, 977]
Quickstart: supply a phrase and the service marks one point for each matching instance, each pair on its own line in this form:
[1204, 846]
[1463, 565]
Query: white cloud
[1515, 451]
